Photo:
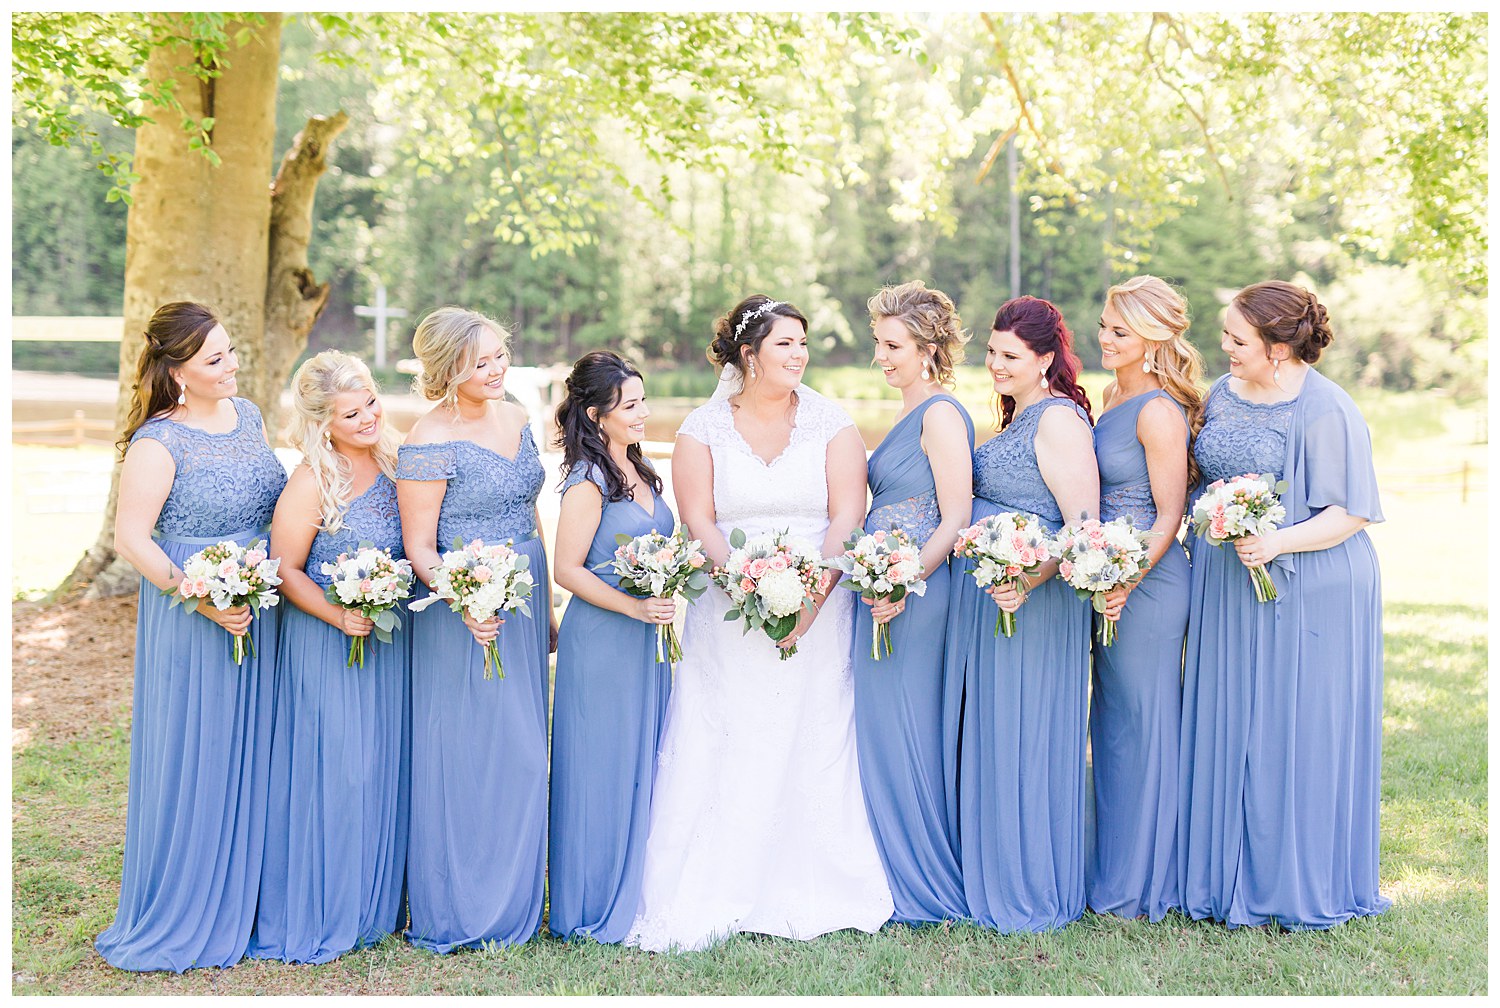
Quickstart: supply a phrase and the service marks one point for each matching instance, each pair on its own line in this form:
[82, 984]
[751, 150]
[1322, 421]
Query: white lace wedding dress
[757, 818]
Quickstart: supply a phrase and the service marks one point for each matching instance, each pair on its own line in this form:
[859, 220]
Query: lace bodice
[1239, 436]
[1124, 480]
[903, 491]
[1005, 467]
[489, 496]
[371, 517]
[224, 483]
[791, 491]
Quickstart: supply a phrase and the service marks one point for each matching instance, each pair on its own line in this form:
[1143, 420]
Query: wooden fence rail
[72, 433]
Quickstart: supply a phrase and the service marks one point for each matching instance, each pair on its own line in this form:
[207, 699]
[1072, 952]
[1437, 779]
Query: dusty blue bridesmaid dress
[608, 706]
[1281, 704]
[908, 750]
[201, 726]
[1025, 713]
[336, 833]
[1135, 713]
[478, 836]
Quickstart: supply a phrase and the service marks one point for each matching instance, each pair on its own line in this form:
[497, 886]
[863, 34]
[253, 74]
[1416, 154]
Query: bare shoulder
[432, 427]
[943, 419]
[1161, 418]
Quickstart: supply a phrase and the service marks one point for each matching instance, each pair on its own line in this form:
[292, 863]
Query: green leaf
[737, 538]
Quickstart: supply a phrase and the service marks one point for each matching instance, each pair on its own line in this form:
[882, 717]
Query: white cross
[381, 314]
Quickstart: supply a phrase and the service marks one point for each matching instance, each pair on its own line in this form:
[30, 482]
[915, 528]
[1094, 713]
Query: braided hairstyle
[1040, 326]
[597, 383]
[1283, 312]
[740, 333]
[174, 334]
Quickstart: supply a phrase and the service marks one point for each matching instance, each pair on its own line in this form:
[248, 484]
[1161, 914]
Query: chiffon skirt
[340, 782]
[609, 704]
[1021, 755]
[1280, 780]
[908, 755]
[195, 822]
[1134, 721]
[478, 777]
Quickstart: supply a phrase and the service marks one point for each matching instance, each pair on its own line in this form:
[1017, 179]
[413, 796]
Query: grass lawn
[68, 811]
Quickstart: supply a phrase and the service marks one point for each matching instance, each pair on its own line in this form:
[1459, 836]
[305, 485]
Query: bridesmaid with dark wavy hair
[611, 693]
[1281, 703]
[197, 471]
[1025, 700]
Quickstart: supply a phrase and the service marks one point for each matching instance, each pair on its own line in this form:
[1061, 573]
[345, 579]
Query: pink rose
[757, 568]
[696, 560]
[747, 585]
[482, 574]
[664, 556]
[777, 563]
[1066, 569]
[254, 557]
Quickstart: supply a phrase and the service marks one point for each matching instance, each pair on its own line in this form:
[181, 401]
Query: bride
[757, 819]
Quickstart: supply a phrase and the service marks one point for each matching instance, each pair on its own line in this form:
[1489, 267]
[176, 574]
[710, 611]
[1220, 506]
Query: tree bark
[196, 231]
[294, 299]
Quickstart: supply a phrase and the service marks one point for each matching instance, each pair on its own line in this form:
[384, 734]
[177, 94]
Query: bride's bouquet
[881, 565]
[1245, 505]
[228, 576]
[1006, 548]
[653, 565]
[1096, 557]
[769, 578]
[372, 582]
[482, 580]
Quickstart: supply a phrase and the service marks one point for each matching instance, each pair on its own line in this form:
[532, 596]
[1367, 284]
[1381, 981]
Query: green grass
[69, 805]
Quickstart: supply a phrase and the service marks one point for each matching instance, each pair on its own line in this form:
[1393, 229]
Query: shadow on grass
[68, 804]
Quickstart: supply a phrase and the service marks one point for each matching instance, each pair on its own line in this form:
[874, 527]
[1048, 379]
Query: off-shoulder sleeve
[585, 472]
[426, 461]
[1340, 463]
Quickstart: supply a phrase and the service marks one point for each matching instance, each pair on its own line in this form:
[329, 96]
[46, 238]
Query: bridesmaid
[1141, 441]
[336, 832]
[1282, 701]
[1025, 701]
[921, 481]
[197, 471]
[611, 692]
[469, 469]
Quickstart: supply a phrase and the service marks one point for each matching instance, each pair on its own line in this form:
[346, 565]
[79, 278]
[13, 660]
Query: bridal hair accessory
[752, 315]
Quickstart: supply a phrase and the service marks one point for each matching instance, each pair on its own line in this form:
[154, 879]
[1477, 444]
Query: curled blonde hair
[1155, 311]
[930, 318]
[446, 343]
[319, 381]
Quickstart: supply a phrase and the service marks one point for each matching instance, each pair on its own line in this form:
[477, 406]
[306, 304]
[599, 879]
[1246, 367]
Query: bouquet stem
[243, 644]
[1265, 588]
[1107, 631]
[1005, 622]
[661, 633]
[492, 659]
[668, 634]
[356, 652]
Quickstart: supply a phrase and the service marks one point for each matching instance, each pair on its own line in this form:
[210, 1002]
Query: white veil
[731, 382]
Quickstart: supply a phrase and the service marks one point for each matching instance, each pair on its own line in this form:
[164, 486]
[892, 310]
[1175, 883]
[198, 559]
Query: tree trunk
[293, 298]
[196, 231]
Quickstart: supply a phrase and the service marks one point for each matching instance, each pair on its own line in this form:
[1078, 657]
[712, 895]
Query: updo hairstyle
[1286, 313]
[447, 344]
[743, 330]
[930, 318]
[174, 335]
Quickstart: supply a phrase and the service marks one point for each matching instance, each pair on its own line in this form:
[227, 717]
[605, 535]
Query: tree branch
[1015, 84]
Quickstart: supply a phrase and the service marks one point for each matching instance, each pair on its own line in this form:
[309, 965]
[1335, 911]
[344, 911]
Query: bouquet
[229, 576]
[1244, 505]
[1006, 548]
[881, 565]
[482, 580]
[654, 565]
[371, 582]
[769, 578]
[1096, 557]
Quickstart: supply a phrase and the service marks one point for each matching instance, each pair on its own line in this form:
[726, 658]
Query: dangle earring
[1146, 364]
[1276, 374]
[328, 440]
[182, 395]
[926, 373]
[752, 367]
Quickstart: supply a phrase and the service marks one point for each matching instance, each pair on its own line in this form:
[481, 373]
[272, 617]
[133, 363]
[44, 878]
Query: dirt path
[71, 667]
